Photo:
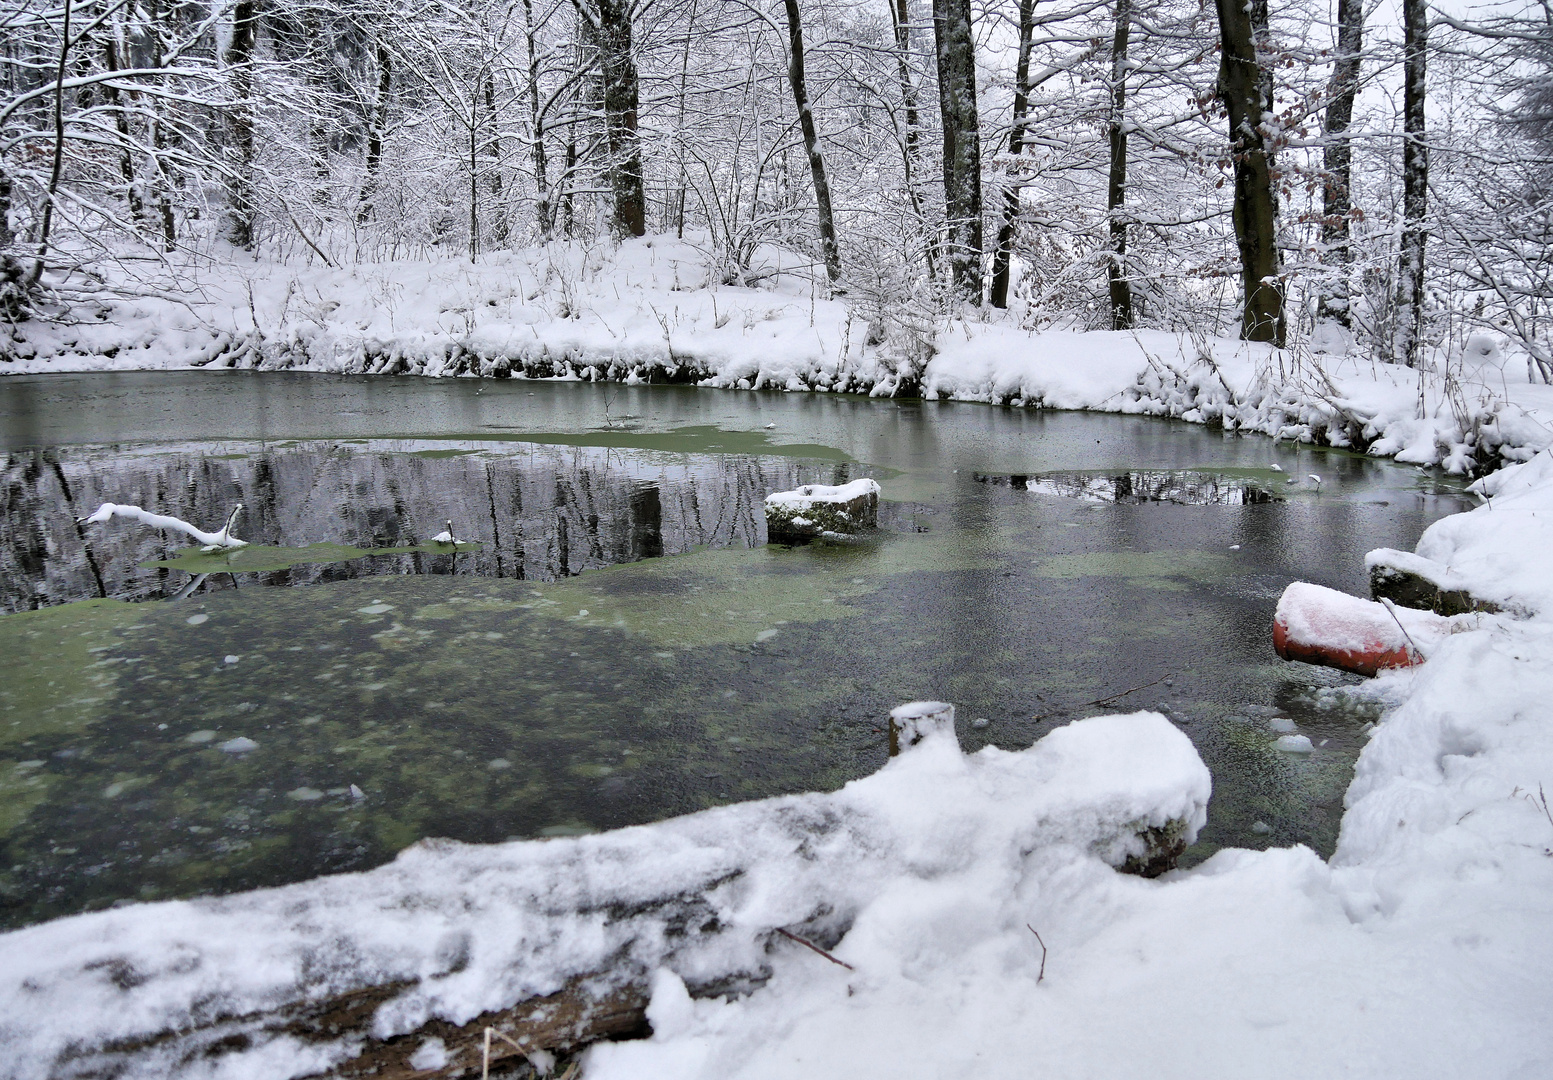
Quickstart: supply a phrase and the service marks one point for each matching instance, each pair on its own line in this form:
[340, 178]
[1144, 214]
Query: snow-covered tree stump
[809, 512]
[918, 720]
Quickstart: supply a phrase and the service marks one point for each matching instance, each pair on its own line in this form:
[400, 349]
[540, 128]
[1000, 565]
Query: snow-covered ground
[658, 309]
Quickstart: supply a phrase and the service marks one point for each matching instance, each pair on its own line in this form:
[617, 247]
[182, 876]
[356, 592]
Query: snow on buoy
[1322, 626]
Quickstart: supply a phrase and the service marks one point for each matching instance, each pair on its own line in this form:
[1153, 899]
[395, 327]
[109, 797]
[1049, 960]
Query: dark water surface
[557, 675]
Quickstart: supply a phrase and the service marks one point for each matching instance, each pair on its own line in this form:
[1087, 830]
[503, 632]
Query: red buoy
[1317, 625]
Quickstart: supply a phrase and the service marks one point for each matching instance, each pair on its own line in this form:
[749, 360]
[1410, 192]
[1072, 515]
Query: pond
[616, 643]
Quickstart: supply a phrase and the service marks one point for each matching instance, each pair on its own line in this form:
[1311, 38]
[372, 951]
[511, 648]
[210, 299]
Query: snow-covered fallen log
[1413, 581]
[812, 511]
[222, 539]
[559, 940]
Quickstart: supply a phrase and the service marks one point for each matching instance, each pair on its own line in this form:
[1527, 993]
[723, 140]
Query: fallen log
[1413, 581]
[398, 972]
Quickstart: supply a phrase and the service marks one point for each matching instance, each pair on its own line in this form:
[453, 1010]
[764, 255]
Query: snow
[658, 309]
[1315, 615]
[810, 495]
[480, 927]
[222, 539]
[1421, 949]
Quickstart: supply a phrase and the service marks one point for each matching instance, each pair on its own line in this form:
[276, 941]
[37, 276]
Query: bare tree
[811, 142]
[607, 27]
[1120, 287]
[1415, 184]
[1243, 89]
[1002, 258]
[956, 52]
[238, 58]
[1337, 163]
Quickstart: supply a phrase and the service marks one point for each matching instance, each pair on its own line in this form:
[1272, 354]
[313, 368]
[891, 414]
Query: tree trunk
[536, 119]
[115, 100]
[1002, 261]
[1415, 185]
[956, 51]
[679, 125]
[568, 214]
[1337, 162]
[5, 207]
[239, 124]
[493, 150]
[1116, 183]
[1242, 89]
[811, 143]
[474, 176]
[608, 24]
[379, 124]
[900, 17]
[58, 152]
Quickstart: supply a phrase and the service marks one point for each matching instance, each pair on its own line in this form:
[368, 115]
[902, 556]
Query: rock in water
[805, 514]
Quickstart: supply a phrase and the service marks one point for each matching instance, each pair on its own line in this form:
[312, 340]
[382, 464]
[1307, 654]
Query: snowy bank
[661, 309]
[452, 932]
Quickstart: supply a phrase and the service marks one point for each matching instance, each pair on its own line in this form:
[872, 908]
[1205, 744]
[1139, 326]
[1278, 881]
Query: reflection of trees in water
[540, 512]
[1142, 486]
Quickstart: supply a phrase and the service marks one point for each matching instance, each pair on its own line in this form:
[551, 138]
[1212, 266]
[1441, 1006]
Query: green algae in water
[1156, 569]
[454, 707]
[60, 674]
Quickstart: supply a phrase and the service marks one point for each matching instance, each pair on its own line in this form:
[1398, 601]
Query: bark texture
[811, 142]
[1002, 259]
[239, 128]
[1119, 286]
[375, 129]
[544, 216]
[1243, 87]
[1415, 184]
[956, 52]
[1337, 162]
[911, 152]
[608, 25]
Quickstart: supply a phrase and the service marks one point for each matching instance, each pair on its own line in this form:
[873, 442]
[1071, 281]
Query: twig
[309, 240]
[1541, 801]
[1391, 610]
[485, 1067]
[1042, 973]
[1124, 693]
[806, 943]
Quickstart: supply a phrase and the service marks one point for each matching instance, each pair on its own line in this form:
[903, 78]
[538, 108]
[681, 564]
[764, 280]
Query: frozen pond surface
[562, 677]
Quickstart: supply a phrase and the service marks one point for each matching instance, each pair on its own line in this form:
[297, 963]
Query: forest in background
[1287, 171]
